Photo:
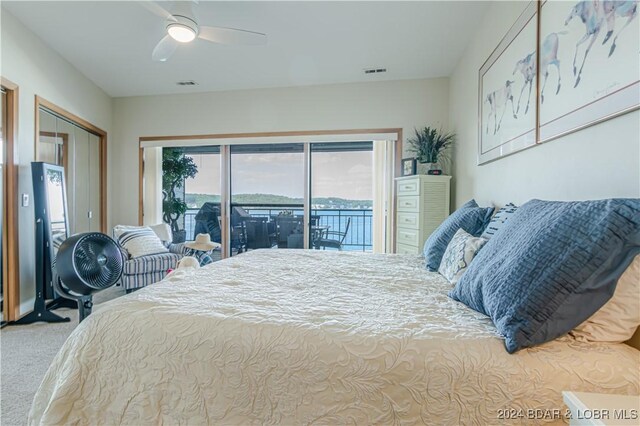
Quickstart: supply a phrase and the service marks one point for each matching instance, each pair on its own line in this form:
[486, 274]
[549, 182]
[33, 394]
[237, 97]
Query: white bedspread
[308, 337]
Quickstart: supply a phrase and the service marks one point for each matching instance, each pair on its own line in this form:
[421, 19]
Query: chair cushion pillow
[498, 220]
[551, 266]
[163, 231]
[459, 254]
[139, 240]
[619, 318]
[470, 217]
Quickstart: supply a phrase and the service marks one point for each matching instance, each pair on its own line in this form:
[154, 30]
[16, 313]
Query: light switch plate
[25, 200]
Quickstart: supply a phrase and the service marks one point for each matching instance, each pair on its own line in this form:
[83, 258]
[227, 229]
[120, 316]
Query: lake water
[358, 236]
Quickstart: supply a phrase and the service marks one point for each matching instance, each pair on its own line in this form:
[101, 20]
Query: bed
[312, 337]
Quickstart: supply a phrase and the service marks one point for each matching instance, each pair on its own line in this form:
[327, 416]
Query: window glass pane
[342, 196]
[267, 196]
[202, 194]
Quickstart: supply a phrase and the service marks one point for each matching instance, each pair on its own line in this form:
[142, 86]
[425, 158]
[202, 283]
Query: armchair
[141, 271]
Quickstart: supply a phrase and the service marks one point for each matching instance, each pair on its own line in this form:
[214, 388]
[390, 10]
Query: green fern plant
[430, 145]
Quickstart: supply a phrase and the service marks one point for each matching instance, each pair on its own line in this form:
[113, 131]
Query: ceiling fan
[182, 27]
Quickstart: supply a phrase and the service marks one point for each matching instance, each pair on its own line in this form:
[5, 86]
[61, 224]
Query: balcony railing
[359, 234]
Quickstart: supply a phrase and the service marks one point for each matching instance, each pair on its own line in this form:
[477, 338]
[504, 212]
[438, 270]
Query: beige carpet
[25, 354]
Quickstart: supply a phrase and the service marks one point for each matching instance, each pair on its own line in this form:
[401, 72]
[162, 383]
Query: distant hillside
[195, 201]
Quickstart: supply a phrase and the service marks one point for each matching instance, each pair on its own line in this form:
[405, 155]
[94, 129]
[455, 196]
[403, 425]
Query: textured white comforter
[300, 337]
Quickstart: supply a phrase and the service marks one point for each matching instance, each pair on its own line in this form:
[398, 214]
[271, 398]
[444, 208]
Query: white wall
[38, 70]
[602, 161]
[404, 104]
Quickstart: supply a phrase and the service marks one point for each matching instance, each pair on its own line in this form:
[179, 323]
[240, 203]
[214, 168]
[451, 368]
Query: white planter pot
[423, 168]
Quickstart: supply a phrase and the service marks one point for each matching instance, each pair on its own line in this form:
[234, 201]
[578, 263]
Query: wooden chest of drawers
[422, 204]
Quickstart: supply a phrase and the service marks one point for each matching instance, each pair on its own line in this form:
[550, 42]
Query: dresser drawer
[406, 249]
[409, 187]
[408, 203]
[408, 220]
[408, 236]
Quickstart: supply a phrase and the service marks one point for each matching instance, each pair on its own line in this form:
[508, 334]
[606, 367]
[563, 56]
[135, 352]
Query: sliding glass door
[267, 197]
[321, 196]
[203, 195]
[341, 196]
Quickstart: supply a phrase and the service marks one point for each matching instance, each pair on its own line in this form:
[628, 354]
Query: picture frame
[589, 73]
[507, 91]
[409, 166]
[591, 70]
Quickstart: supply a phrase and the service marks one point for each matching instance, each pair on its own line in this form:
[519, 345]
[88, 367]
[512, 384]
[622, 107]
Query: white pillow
[461, 250]
[619, 318]
[163, 231]
[139, 240]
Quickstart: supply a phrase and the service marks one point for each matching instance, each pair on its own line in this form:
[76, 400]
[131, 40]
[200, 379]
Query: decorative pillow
[459, 254]
[470, 217]
[139, 240]
[163, 231]
[498, 220]
[551, 266]
[619, 318]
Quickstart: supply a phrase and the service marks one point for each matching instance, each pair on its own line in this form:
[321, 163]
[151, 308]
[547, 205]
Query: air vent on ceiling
[187, 83]
[374, 70]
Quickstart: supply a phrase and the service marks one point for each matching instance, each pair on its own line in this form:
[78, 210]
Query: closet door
[82, 181]
[94, 183]
[65, 146]
[66, 142]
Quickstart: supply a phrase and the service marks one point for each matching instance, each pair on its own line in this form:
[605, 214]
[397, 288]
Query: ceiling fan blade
[156, 9]
[223, 35]
[164, 49]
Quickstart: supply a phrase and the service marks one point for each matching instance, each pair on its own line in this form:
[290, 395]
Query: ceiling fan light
[181, 33]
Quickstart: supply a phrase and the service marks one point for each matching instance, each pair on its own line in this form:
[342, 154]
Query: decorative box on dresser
[423, 203]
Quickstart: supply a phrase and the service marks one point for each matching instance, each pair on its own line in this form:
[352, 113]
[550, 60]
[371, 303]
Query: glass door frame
[393, 135]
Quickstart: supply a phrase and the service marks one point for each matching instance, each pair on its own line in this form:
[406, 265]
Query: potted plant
[176, 168]
[430, 148]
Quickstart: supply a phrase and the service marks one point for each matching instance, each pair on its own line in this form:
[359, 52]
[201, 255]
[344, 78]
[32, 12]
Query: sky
[347, 175]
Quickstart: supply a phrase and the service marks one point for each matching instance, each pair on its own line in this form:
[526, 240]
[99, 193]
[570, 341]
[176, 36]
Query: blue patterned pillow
[551, 266]
[498, 220]
[470, 217]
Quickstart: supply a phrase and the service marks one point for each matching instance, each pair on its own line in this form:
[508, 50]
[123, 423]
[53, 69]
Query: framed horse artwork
[508, 91]
[589, 63]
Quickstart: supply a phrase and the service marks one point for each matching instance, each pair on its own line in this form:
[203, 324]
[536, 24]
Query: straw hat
[202, 243]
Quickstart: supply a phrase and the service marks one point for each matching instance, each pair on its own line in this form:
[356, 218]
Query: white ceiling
[309, 42]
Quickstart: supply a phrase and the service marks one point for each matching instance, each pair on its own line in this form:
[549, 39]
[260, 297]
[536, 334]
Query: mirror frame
[41, 199]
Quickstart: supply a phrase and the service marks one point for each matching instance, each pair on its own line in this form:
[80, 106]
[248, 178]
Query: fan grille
[89, 262]
[97, 261]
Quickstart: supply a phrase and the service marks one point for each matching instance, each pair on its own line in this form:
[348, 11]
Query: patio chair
[257, 233]
[239, 229]
[287, 229]
[332, 239]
